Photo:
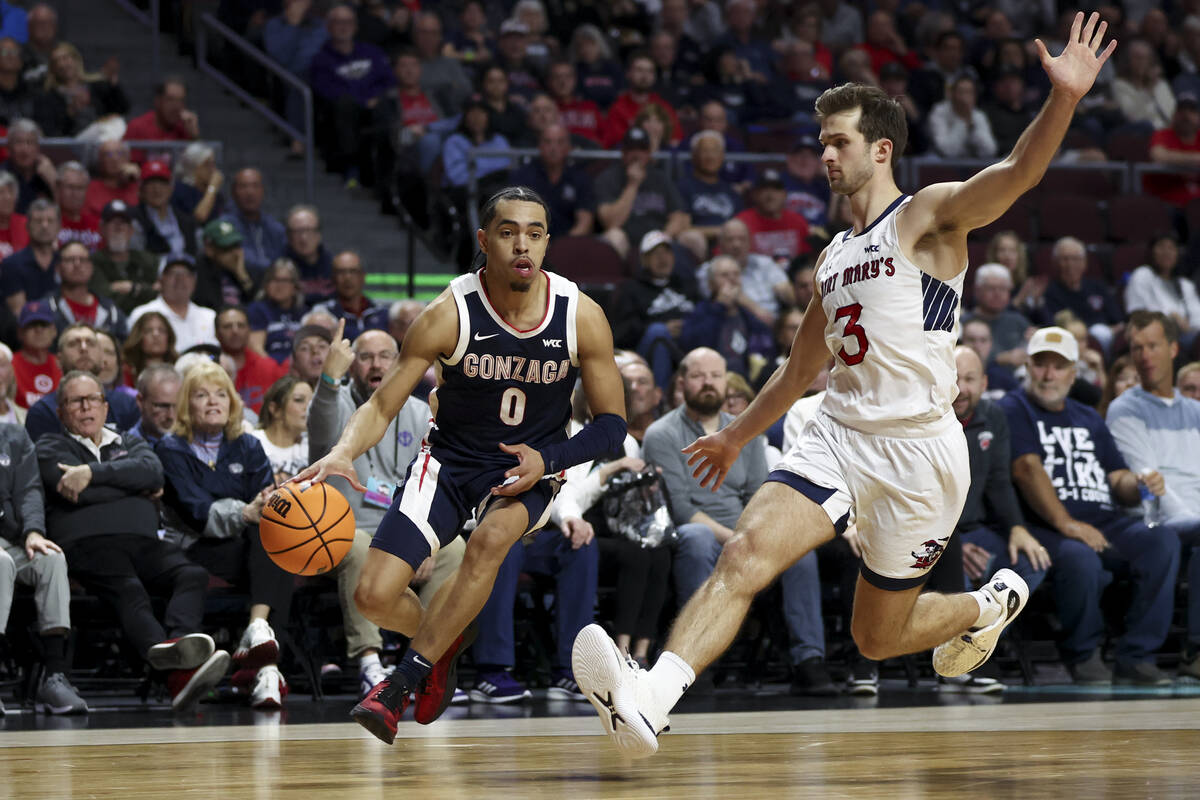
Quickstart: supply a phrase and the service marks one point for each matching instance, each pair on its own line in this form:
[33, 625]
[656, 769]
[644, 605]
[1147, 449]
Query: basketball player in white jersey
[885, 450]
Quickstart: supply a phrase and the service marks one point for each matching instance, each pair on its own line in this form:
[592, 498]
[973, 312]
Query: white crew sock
[989, 609]
[368, 659]
[669, 678]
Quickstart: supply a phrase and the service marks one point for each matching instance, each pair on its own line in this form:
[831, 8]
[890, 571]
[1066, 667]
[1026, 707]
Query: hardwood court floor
[1088, 750]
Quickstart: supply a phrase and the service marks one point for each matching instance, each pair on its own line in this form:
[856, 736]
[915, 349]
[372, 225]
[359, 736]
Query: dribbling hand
[1074, 70]
[528, 471]
[333, 464]
[711, 457]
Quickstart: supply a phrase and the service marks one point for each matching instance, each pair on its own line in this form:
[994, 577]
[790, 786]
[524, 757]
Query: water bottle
[1151, 505]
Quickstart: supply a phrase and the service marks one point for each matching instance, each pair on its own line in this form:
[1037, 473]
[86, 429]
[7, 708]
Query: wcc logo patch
[930, 552]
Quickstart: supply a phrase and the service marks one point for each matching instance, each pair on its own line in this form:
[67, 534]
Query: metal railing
[153, 21]
[83, 150]
[210, 23]
[909, 173]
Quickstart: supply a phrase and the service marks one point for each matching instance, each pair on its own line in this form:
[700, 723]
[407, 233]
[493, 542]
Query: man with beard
[349, 304]
[706, 520]
[510, 339]
[79, 349]
[1071, 478]
[120, 272]
[885, 446]
[255, 372]
[385, 464]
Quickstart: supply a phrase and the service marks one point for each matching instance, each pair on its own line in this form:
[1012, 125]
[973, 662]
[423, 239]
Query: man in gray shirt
[706, 519]
[382, 469]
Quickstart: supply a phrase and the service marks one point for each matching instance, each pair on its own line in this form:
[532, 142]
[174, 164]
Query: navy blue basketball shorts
[442, 491]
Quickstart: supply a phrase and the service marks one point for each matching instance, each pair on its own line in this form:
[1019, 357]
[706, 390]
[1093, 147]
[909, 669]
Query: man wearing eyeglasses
[308, 253]
[99, 509]
[79, 349]
[360, 312]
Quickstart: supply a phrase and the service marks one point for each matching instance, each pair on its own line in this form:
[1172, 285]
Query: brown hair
[132, 353]
[1021, 271]
[275, 398]
[882, 117]
[1142, 319]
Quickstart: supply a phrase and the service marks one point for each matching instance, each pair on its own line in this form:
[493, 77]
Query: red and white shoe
[380, 711]
[269, 688]
[258, 646]
[437, 692]
[189, 685]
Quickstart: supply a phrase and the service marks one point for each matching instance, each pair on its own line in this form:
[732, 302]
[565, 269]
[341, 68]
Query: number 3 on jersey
[852, 328]
[512, 406]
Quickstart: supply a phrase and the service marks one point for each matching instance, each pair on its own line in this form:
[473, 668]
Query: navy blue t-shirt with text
[1076, 449]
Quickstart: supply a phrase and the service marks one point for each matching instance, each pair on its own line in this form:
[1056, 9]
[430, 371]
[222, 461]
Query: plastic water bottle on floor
[1151, 505]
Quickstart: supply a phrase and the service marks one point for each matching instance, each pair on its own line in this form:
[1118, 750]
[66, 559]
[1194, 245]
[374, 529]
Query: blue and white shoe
[370, 676]
[971, 648]
[460, 697]
[499, 687]
[565, 687]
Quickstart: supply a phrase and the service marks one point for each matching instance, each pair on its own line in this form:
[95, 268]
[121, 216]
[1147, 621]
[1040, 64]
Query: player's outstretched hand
[333, 464]
[711, 457]
[528, 471]
[1075, 69]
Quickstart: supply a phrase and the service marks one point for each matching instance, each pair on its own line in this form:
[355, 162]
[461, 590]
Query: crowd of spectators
[169, 353]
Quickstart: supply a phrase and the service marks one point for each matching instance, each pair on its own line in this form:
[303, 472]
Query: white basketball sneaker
[970, 649]
[620, 691]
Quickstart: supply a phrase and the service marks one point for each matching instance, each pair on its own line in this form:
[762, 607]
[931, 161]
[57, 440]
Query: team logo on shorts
[985, 440]
[930, 552]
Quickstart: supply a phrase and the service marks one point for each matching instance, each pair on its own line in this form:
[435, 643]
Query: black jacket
[640, 302]
[154, 241]
[991, 500]
[209, 291]
[20, 487]
[118, 498]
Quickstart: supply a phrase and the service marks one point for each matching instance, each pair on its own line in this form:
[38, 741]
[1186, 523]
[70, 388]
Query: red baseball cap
[156, 169]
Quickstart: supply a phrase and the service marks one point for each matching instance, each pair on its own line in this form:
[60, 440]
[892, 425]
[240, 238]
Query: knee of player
[488, 546]
[369, 598]
[872, 642]
[743, 567]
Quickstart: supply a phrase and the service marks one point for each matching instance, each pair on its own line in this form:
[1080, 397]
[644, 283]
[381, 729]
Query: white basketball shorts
[904, 494]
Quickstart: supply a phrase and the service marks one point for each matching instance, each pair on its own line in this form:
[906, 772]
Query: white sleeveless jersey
[892, 330]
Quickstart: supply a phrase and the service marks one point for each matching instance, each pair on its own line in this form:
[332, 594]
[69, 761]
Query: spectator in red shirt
[580, 117]
[774, 231]
[1178, 145]
[75, 302]
[35, 367]
[255, 372]
[117, 178]
[640, 76]
[416, 109]
[885, 45]
[170, 118]
[13, 234]
[77, 224]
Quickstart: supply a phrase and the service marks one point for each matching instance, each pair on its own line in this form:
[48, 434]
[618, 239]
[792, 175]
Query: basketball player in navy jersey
[885, 449]
[509, 340]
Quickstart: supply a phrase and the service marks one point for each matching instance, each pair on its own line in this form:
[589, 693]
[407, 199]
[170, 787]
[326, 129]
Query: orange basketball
[307, 532]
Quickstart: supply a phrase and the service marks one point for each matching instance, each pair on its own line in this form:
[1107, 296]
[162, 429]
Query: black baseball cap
[116, 208]
[769, 177]
[635, 139]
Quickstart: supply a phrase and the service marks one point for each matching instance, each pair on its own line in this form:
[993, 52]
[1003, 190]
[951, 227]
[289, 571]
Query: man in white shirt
[192, 324]
[958, 127]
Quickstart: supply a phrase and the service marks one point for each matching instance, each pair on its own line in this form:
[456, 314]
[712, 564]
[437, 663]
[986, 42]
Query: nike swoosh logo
[420, 661]
[479, 338]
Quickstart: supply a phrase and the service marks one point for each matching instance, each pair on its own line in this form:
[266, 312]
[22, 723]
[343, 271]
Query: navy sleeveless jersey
[505, 385]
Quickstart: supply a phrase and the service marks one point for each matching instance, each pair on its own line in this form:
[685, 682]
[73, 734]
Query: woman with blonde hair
[217, 479]
[151, 340]
[1006, 248]
[76, 98]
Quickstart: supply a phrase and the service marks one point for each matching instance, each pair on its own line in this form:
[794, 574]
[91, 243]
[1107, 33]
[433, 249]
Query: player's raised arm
[434, 332]
[713, 455]
[984, 197]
